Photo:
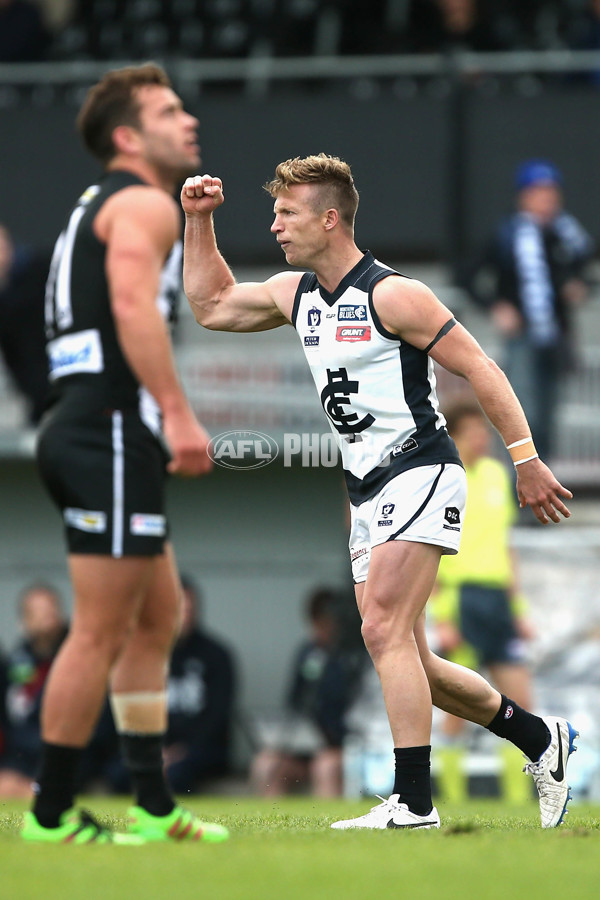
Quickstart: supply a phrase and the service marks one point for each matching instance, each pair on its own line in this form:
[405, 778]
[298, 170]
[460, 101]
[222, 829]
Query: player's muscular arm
[410, 310]
[216, 300]
[139, 226]
[413, 312]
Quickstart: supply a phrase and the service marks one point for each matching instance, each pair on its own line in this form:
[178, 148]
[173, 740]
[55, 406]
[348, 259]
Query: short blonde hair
[328, 172]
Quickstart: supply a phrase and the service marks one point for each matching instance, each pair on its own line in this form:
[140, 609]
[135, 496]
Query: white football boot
[550, 771]
[391, 814]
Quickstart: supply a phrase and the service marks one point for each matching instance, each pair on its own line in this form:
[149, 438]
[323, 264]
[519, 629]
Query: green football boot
[76, 827]
[179, 825]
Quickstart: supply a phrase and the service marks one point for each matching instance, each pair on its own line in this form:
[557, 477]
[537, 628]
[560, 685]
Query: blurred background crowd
[117, 29]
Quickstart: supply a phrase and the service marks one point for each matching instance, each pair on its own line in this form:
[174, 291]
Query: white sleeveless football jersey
[378, 391]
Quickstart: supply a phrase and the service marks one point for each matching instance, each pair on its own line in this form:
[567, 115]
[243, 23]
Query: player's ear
[332, 217]
[126, 140]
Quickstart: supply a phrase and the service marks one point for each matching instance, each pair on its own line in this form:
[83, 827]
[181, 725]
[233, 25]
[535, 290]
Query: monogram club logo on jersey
[242, 450]
[355, 313]
[353, 333]
[314, 318]
[335, 397]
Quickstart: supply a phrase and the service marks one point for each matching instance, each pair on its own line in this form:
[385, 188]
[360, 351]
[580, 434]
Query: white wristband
[518, 443]
[519, 462]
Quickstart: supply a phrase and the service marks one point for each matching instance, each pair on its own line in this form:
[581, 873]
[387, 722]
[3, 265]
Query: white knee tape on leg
[140, 712]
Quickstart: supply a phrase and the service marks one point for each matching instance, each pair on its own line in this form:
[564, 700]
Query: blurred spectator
[57, 13]
[480, 615]
[306, 744]
[537, 259]
[23, 35]
[44, 627]
[22, 341]
[201, 698]
[437, 26]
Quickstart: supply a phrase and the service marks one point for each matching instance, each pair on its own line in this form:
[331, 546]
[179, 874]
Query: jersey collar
[349, 279]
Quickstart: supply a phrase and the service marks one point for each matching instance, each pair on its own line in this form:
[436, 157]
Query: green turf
[285, 849]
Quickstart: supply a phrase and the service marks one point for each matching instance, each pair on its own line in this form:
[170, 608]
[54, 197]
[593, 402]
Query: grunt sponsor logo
[353, 333]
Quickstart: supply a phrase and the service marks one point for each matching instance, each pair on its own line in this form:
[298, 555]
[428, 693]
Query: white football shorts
[425, 504]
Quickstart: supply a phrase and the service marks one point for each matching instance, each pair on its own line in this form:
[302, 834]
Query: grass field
[285, 849]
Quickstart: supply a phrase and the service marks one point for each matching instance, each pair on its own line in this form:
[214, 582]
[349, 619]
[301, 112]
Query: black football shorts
[106, 472]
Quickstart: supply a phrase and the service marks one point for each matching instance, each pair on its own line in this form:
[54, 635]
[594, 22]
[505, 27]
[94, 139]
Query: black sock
[143, 757]
[527, 732]
[413, 778]
[55, 786]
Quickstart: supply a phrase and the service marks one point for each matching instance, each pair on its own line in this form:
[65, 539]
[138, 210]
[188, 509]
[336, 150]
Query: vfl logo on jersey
[356, 313]
[311, 340]
[353, 333]
[452, 517]
[335, 396]
[314, 318]
[409, 444]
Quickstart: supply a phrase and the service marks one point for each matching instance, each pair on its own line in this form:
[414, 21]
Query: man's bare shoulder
[406, 306]
[282, 288]
[149, 207]
[400, 287]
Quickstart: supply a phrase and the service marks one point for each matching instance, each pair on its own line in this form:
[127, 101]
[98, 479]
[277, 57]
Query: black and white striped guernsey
[378, 391]
[85, 358]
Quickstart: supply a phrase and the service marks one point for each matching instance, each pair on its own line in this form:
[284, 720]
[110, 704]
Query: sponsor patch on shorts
[85, 519]
[356, 553]
[148, 525]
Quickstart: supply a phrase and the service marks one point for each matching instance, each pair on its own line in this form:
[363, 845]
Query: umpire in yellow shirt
[480, 617]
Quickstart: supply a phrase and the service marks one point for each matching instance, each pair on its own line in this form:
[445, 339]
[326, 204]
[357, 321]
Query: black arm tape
[443, 330]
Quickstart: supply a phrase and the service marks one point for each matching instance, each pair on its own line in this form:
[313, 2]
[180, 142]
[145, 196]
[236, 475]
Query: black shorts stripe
[422, 506]
[443, 330]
